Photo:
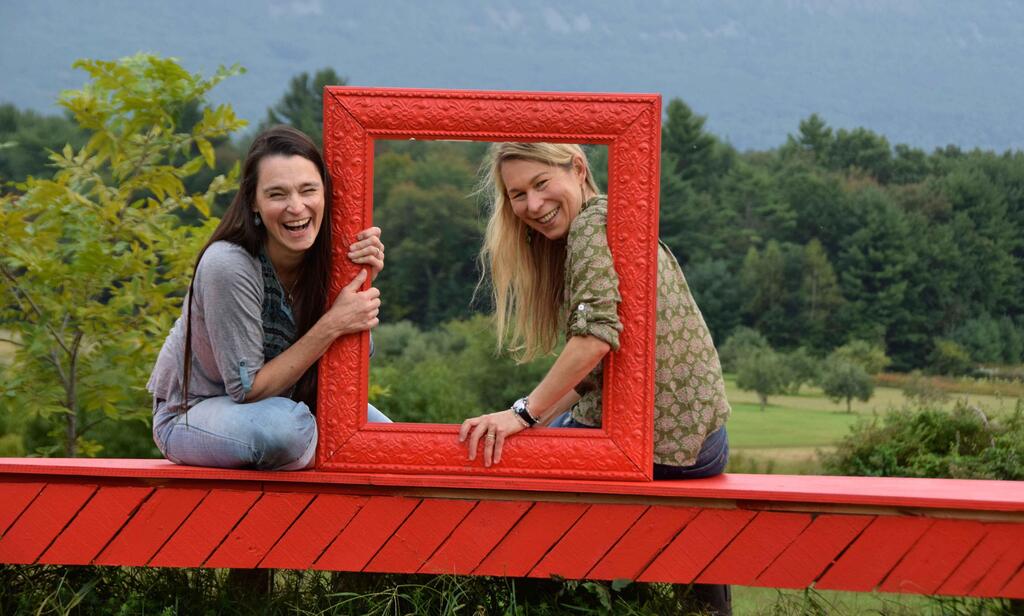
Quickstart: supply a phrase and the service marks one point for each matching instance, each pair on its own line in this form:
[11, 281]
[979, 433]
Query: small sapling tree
[763, 371]
[94, 258]
[843, 379]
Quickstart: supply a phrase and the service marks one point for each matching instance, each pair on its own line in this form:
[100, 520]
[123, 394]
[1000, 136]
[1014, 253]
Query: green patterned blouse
[689, 396]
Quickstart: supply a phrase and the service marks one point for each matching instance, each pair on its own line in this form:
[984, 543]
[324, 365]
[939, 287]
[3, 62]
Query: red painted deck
[929, 536]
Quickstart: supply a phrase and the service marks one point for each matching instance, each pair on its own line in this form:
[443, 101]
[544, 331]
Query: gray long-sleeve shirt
[227, 331]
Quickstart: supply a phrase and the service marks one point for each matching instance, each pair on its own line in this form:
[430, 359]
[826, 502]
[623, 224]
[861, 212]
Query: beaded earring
[257, 220]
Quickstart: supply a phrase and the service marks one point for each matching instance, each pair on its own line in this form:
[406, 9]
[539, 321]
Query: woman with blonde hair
[551, 271]
[546, 251]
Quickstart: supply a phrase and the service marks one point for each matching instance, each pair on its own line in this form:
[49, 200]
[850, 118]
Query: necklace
[291, 290]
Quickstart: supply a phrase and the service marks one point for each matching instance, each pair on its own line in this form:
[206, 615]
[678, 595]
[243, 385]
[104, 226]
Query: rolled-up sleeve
[592, 285]
[231, 297]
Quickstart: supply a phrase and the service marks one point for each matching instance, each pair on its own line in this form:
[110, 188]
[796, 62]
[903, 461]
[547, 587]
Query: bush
[950, 358]
[962, 443]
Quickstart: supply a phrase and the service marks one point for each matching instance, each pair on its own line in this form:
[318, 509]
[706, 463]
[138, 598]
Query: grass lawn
[787, 435]
[751, 601]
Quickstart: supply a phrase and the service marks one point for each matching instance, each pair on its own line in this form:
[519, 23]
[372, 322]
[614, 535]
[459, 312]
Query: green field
[787, 436]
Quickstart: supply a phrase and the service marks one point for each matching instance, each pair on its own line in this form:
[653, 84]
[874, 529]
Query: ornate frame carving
[630, 125]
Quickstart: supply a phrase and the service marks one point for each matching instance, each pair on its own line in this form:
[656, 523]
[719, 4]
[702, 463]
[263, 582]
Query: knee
[284, 436]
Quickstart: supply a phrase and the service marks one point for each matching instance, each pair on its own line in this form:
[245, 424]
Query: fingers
[357, 282]
[368, 232]
[474, 440]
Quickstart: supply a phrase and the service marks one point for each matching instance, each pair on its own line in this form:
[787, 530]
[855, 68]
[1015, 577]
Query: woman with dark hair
[234, 385]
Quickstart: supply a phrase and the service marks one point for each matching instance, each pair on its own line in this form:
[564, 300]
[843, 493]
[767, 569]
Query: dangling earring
[529, 236]
[256, 219]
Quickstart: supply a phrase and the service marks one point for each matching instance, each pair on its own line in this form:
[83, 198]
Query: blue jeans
[711, 460]
[271, 434]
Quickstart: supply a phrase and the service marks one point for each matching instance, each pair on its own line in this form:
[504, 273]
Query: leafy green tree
[843, 379]
[432, 236]
[302, 105]
[27, 138]
[802, 368]
[820, 295]
[861, 149]
[869, 356]
[93, 262]
[874, 266]
[948, 357]
[814, 138]
[765, 372]
[683, 136]
[716, 289]
[743, 341]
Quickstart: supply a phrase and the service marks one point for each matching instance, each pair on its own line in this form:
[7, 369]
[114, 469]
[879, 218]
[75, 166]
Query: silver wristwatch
[521, 408]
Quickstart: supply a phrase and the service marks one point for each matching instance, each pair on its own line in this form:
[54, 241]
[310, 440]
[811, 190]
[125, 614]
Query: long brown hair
[526, 269]
[238, 226]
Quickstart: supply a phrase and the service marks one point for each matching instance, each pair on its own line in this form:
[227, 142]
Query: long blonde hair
[527, 270]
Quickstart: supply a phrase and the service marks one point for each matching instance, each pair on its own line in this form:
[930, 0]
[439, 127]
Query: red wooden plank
[477, 535]
[307, 538]
[106, 512]
[958, 494]
[1014, 589]
[874, 553]
[530, 539]
[149, 528]
[205, 529]
[259, 530]
[942, 548]
[363, 537]
[815, 549]
[642, 543]
[757, 545]
[420, 535]
[990, 565]
[697, 545]
[42, 521]
[14, 497]
[588, 540]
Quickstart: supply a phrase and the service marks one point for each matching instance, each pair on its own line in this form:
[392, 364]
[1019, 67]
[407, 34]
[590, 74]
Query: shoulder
[225, 261]
[227, 256]
[590, 222]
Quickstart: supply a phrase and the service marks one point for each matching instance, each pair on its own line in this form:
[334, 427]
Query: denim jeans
[711, 460]
[271, 434]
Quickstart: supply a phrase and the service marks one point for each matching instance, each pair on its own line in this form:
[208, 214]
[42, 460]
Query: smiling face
[290, 203]
[545, 197]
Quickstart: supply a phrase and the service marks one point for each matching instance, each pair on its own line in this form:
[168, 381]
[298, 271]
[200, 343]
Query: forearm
[563, 405]
[555, 392]
[282, 372]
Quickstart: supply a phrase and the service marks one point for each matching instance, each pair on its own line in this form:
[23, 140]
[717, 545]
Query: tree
[302, 106]
[94, 259]
[763, 371]
[684, 137]
[26, 137]
[815, 137]
[819, 294]
[742, 342]
[842, 379]
[869, 356]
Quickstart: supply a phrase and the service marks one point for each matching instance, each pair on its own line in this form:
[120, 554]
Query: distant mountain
[923, 72]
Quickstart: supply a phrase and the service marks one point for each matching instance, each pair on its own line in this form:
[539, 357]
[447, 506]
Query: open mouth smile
[546, 218]
[298, 225]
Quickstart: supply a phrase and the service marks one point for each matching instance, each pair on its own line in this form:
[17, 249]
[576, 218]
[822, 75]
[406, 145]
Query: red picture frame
[630, 126]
